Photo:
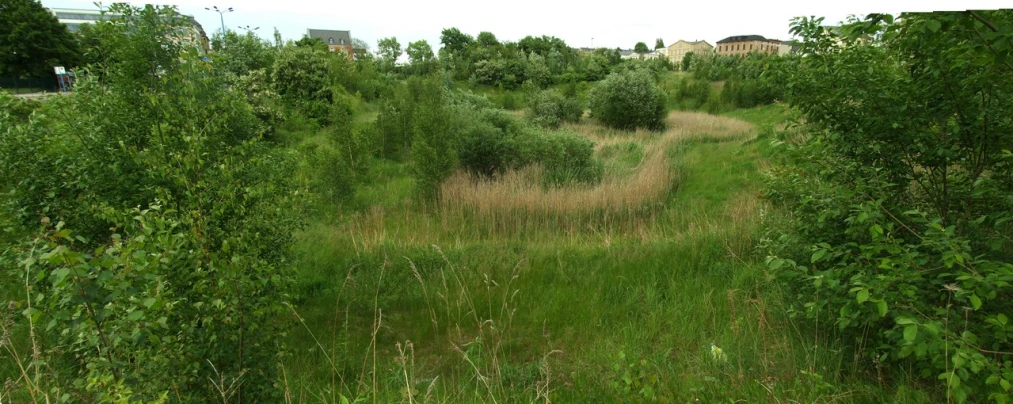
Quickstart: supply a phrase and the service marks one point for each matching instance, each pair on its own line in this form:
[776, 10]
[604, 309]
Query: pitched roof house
[337, 41]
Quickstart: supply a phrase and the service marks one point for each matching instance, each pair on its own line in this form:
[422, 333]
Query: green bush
[628, 100]
[432, 153]
[301, 77]
[549, 109]
[567, 158]
[197, 279]
[263, 99]
[900, 206]
[20, 109]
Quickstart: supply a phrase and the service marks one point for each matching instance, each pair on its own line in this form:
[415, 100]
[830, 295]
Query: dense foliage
[629, 100]
[900, 193]
[162, 244]
[32, 41]
[549, 109]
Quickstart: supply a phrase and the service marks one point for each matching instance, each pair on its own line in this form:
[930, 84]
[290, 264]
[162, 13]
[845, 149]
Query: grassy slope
[507, 319]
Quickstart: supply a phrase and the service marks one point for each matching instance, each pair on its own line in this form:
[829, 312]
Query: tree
[537, 71]
[359, 44]
[629, 100]
[238, 55]
[312, 43]
[658, 43]
[687, 61]
[301, 78]
[455, 41]
[487, 40]
[454, 55]
[32, 40]
[641, 48]
[389, 50]
[421, 57]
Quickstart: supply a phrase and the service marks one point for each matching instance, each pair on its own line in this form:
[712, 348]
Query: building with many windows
[680, 48]
[745, 44]
[193, 34]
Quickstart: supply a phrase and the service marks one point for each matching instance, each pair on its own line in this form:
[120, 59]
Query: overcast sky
[610, 24]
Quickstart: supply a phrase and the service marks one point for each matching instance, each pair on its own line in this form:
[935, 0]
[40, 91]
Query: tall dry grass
[518, 198]
[516, 204]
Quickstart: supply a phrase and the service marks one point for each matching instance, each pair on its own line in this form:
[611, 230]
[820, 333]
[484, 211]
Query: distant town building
[676, 51]
[745, 44]
[337, 41]
[73, 18]
[630, 54]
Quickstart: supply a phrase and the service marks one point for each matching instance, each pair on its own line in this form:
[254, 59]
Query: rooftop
[744, 38]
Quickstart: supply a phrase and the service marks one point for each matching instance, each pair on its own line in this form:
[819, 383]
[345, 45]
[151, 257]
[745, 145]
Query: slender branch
[983, 20]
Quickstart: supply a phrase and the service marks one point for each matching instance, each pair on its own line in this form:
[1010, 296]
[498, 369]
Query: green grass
[605, 320]
[767, 115]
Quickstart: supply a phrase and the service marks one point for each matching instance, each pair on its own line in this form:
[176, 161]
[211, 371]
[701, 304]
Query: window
[330, 41]
[341, 41]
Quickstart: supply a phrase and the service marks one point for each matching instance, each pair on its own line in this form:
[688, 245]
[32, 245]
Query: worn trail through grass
[516, 294]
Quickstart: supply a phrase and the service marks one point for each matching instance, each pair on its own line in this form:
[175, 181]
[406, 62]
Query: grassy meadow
[511, 292]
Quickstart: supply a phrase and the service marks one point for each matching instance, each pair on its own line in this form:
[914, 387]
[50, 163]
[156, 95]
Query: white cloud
[612, 24]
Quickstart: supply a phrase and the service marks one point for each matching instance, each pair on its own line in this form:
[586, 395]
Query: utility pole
[221, 15]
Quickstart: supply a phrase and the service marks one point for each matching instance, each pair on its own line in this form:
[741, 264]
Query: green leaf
[135, 315]
[1005, 384]
[776, 263]
[905, 321]
[818, 254]
[910, 333]
[882, 308]
[149, 302]
[1001, 318]
[862, 296]
[975, 302]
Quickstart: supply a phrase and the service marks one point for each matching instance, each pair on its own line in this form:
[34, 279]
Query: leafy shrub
[548, 109]
[433, 157]
[509, 101]
[901, 205]
[263, 100]
[20, 109]
[195, 281]
[567, 158]
[301, 77]
[483, 148]
[628, 100]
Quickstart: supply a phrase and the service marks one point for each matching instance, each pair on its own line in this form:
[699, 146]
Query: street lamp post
[248, 29]
[221, 15]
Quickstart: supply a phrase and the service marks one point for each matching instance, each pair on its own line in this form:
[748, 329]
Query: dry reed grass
[517, 204]
[520, 192]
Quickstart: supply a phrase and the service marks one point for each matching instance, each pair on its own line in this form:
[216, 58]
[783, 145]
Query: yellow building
[678, 50]
[745, 44]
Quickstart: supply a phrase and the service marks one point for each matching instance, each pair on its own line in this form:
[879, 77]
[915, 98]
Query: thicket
[159, 225]
[900, 194]
[474, 135]
[629, 100]
[746, 82]
[549, 109]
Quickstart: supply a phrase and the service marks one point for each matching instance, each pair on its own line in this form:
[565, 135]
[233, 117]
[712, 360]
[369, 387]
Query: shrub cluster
[549, 109]
[901, 204]
[629, 100]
